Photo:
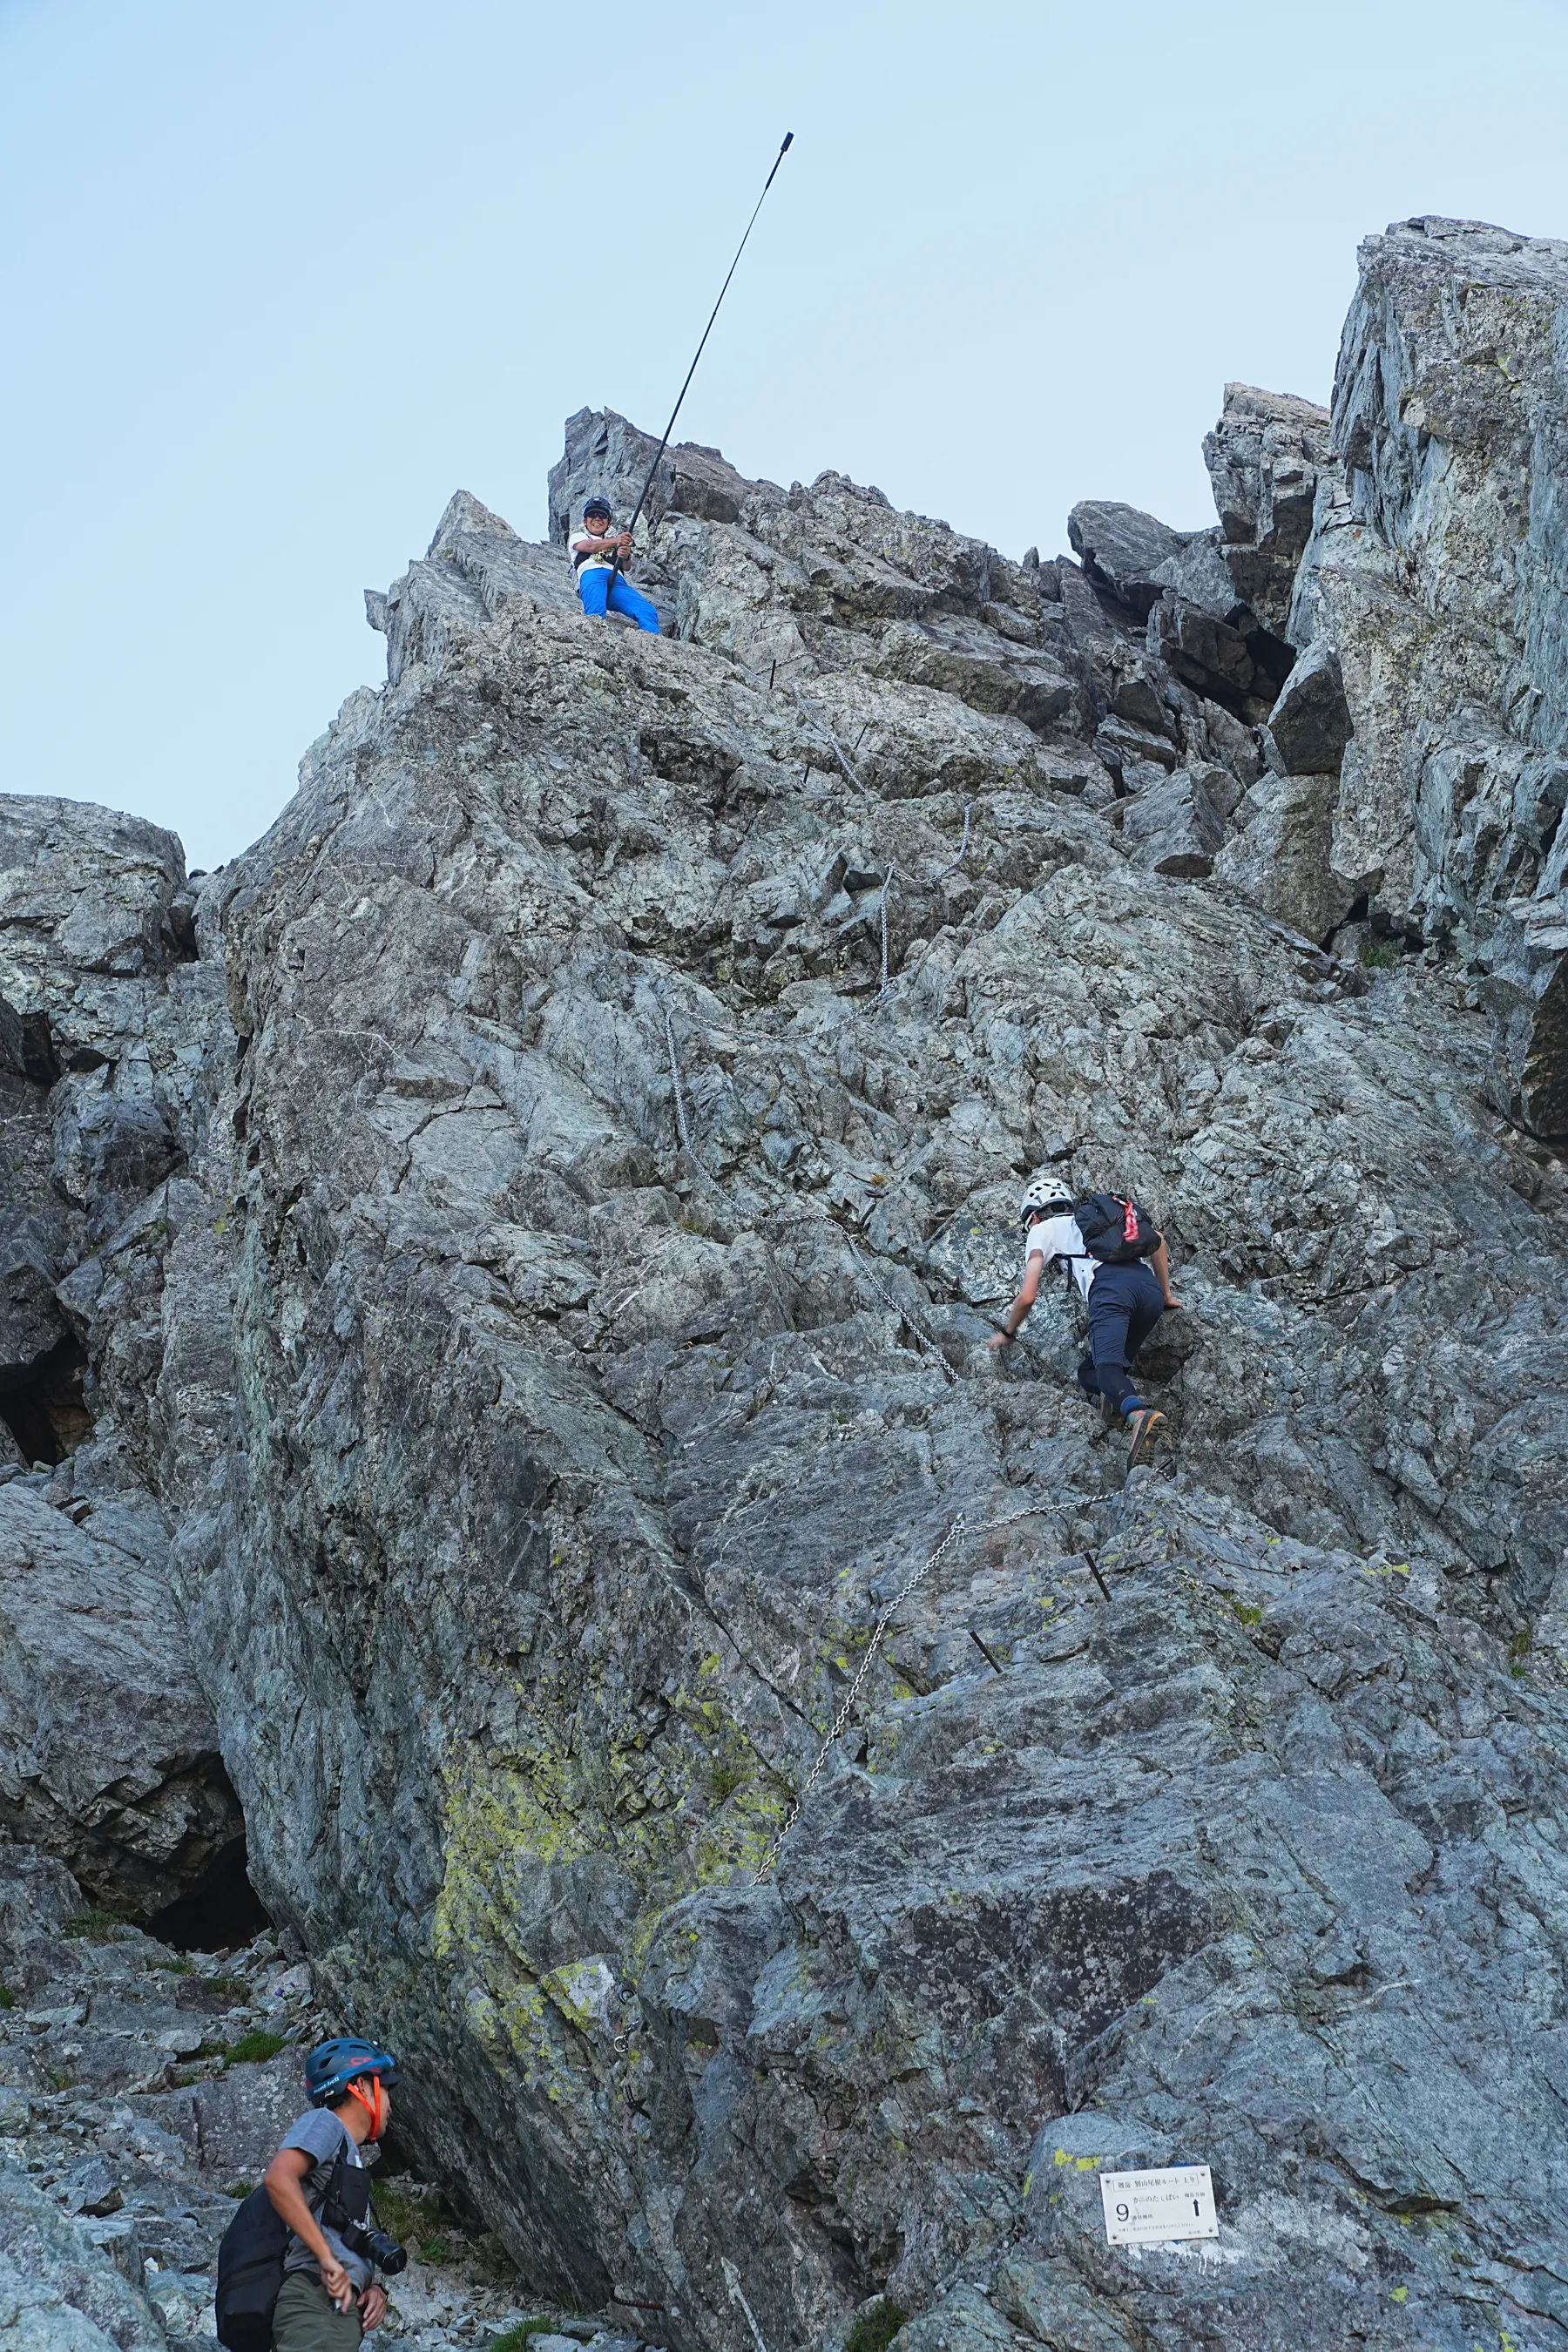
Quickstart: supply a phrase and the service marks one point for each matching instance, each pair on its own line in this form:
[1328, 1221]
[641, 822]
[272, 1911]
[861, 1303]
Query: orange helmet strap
[371, 2105]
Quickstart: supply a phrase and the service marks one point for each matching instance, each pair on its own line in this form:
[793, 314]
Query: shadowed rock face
[597, 1189]
[108, 1755]
[108, 1749]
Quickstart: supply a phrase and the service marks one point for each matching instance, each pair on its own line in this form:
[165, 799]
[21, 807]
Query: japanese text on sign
[1147, 2209]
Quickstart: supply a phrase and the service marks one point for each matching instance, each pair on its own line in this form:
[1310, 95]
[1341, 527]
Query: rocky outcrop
[612, 1251]
[1435, 573]
[58, 2293]
[565, 1290]
[109, 1752]
[1266, 457]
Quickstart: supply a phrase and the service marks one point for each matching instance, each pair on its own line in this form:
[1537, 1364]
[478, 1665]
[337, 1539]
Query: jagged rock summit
[534, 1226]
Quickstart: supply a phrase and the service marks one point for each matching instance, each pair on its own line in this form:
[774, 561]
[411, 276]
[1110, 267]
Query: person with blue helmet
[600, 555]
[330, 2296]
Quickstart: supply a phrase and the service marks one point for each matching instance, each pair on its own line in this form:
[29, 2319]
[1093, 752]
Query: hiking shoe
[1142, 1428]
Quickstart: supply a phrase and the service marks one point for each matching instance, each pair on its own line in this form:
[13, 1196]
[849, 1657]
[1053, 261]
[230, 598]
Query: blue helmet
[332, 2066]
[597, 506]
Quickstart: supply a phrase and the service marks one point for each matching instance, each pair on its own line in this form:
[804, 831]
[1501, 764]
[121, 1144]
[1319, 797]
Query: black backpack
[1115, 1230]
[250, 2263]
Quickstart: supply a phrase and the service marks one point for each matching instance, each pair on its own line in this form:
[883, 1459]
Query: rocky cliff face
[109, 1752]
[556, 1333]
[1436, 572]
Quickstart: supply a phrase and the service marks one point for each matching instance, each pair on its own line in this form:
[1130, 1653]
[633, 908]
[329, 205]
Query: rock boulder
[109, 1755]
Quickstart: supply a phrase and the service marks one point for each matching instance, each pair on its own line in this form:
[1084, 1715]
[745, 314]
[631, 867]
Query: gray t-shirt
[322, 2136]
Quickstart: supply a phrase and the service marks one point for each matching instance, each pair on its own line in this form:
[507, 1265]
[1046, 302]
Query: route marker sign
[1149, 2209]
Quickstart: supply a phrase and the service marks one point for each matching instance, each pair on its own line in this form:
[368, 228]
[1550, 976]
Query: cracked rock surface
[554, 1337]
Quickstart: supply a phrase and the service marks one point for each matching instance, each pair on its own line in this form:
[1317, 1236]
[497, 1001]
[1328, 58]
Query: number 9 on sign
[1159, 2207]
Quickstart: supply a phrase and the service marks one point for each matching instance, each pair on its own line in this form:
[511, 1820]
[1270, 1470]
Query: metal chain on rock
[963, 846]
[882, 909]
[680, 1127]
[810, 1208]
[916, 1576]
[822, 727]
[906, 1315]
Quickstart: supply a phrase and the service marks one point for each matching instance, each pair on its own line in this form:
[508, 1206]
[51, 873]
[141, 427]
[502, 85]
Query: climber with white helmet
[1117, 1256]
[600, 555]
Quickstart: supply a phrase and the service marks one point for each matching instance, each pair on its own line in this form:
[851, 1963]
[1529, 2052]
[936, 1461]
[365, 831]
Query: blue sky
[277, 279]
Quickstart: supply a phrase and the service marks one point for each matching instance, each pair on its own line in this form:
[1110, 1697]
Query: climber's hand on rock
[372, 2307]
[1173, 1301]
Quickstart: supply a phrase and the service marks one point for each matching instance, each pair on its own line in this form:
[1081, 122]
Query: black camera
[377, 2246]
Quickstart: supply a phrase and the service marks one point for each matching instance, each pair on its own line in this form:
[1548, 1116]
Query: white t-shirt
[597, 560]
[1053, 1237]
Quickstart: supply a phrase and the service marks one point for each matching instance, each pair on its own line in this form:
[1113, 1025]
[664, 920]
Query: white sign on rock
[1149, 2209]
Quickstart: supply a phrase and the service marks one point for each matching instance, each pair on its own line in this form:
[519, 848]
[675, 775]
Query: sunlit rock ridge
[497, 1286]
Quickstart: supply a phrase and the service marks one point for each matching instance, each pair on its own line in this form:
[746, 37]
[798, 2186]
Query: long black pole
[707, 330]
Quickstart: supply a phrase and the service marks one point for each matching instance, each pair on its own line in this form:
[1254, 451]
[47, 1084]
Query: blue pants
[591, 587]
[1125, 1302]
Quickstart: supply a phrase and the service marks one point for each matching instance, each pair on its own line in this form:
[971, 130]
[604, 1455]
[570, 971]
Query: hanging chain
[813, 719]
[916, 1576]
[963, 846]
[809, 1207]
[680, 1127]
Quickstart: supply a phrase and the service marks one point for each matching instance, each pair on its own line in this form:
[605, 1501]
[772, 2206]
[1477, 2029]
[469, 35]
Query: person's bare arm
[284, 2181]
[1162, 1265]
[620, 541]
[1022, 1304]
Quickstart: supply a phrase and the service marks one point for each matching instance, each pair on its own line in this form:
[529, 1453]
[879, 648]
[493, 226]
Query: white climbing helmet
[1044, 1196]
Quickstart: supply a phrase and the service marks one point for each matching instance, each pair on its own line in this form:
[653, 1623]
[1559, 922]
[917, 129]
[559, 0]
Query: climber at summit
[330, 2296]
[600, 554]
[1117, 1256]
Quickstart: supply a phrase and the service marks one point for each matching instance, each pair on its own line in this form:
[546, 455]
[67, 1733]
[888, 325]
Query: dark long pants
[1125, 1303]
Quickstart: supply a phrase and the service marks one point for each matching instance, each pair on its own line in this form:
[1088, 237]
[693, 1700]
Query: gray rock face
[108, 1754]
[1435, 572]
[1311, 723]
[605, 455]
[108, 1749]
[1280, 852]
[597, 1450]
[1228, 662]
[1175, 827]
[589, 1203]
[1123, 550]
[1265, 457]
[475, 567]
[57, 2292]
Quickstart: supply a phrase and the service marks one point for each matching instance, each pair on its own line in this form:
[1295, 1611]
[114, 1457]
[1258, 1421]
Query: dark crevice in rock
[180, 929]
[42, 1404]
[40, 1062]
[222, 1910]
